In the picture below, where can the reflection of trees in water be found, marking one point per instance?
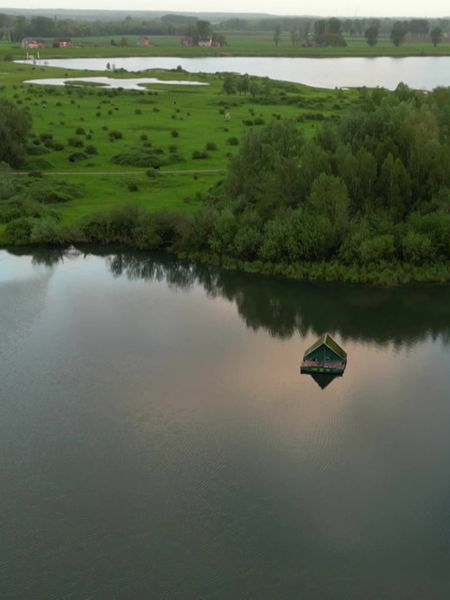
(47, 257)
(402, 316)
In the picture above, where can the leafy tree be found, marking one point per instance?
(329, 196)
(314, 161)
(19, 29)
(295, 36)
(203, 29)
(15, 127)
(277, 35)
(41, 27)
(394, 186)
(265, 172)
(199, 30)
(371, 35)
(418, 27)
(436, 35)
(229, 84)
(398, 33)
(359, 172)
(378, 249)
(243, 84)
(417, 248)
(334, 25)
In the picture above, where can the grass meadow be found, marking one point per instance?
(191, 133)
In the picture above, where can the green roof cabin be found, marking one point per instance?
(324, 356)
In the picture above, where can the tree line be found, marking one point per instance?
(330, 31)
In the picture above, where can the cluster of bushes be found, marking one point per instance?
(26, 208)
(147, 156)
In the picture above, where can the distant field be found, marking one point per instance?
(238, 44)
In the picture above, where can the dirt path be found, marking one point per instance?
(130, 173)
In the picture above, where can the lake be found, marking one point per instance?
(158, 440)
(417, 72)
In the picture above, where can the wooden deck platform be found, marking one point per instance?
(329, 366)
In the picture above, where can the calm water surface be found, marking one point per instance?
(110, 82)
(417, 72)
(158, 441)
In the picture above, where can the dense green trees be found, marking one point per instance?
(436, 35)
(371, 35)
(15, 127)
(398, 33)
(277, 35)
(372, 191)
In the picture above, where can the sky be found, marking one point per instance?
(346, 8)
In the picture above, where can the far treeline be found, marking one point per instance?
(365, 198)
(306, 31)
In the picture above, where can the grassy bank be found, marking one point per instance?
(135, 168)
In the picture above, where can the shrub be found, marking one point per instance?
(174, 133)
(77, 156)
(233, 141)
(211, 146)
(115, 135)
(75, 142)
(80, 131)
(37, 150)
(377, 249)
(38, 164)
(18, 231)
(46, 231)
(417, 248)
(50, 191)
(199, 154)
(140, 157)
(54, 145)
(90, 149)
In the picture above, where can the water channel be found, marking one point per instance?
(423, 73)
(158, 440)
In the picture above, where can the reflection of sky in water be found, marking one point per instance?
(21, 267)
(109, 82)
(151, 417)
(417, 72)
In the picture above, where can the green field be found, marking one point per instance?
(179, 121)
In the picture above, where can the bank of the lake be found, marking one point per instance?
(136, 168)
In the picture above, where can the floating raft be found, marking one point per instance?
(324, 356)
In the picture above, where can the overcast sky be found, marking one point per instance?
(349, 8)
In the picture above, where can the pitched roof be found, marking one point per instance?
(328, 341)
